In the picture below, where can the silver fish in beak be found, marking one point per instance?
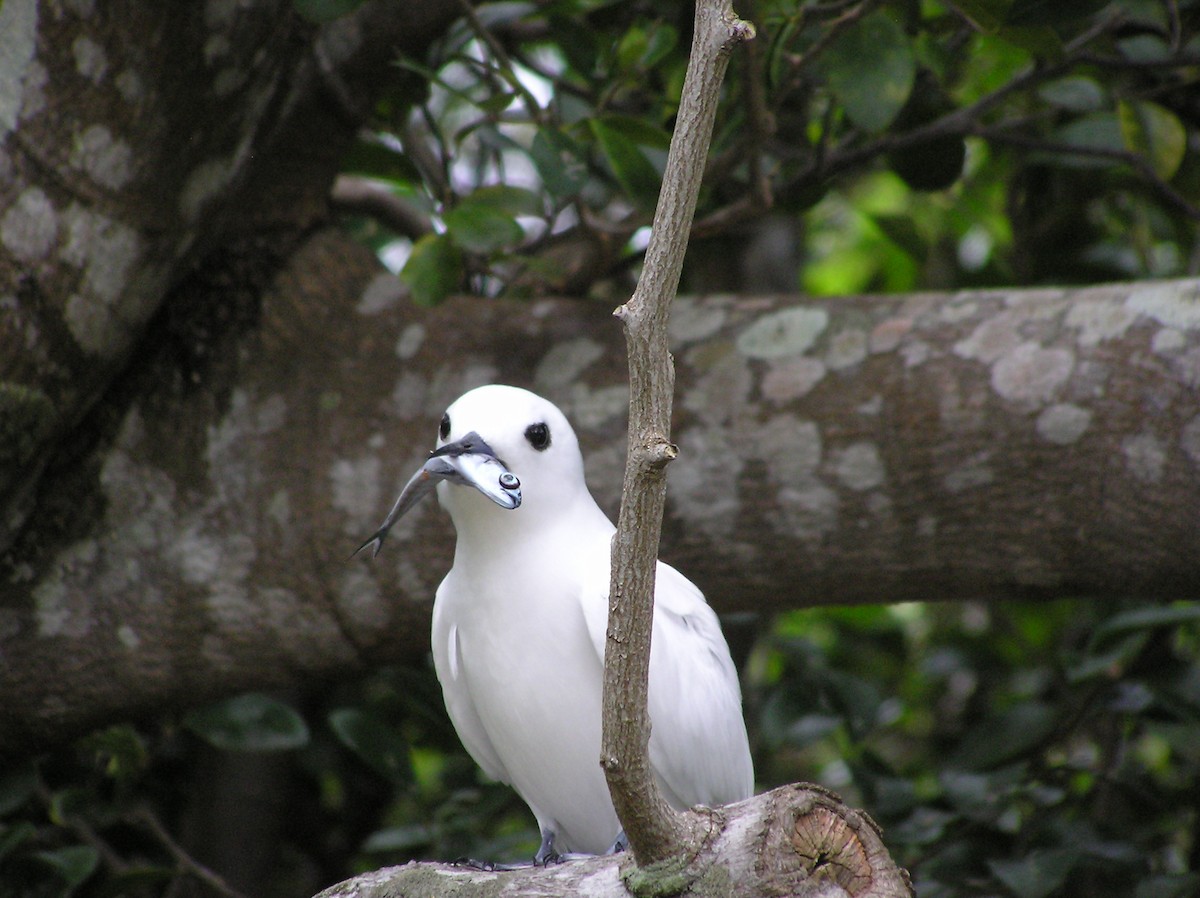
(468, 462)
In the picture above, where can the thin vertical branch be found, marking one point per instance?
(654, 830)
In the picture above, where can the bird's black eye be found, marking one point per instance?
(444, 427)
(538, 436)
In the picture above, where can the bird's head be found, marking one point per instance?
(498, 448)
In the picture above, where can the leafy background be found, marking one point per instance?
(1007, 749)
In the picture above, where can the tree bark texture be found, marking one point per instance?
(137, 142)
(655, 832)
(193, 537)
(795, 840)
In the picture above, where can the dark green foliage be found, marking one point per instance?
(1053, 137)
(1012, 749)
(364, 775)
(1023, 749)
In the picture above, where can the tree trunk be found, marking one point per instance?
(142, 145)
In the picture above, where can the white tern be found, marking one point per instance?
(519, 628)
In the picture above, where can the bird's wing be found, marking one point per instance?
(448, 662)
(698, 744)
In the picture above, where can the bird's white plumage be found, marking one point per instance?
(519, 629)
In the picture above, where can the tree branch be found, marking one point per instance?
(1134, 160)
(655, 832)
(363, 196)
(794, 840)
(900, 417)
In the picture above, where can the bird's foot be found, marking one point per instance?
(546, 854)
(488, 866)
(620, 843)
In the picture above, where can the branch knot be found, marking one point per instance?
(660, 453)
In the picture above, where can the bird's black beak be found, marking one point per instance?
(469, 462)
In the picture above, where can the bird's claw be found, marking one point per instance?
(486, 866)
(620, 843)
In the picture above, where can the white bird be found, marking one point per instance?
(519, 628)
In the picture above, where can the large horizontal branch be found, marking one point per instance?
(794, 840)
(993, 444)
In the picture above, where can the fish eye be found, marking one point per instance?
(444, 427)
(509, 481)
(538, 436)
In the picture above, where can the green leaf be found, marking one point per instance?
(433, 270)
(480, 228)
(1037, 874)
(893, 795)
(1145, 48)
(1007, 735)
(381, 746)
(73, 865)
(400, 838)
(924, 826)
(1076, 93)
(638, 130)
(644, 46)
(1096, 131)
(870, 68)
(967, 791)
(856, 698)
(1107, 663)
(1183, 738)
(559, 162)
(992, 63)
(512, 200)
(631, 47)
(68, 802)
(13, 836)
(1152, 131)
(496, 103)
(663, 38)
(980, 794)
(251, 722)
(375, 159)
(121, 749)
(810, 728)
(1147, 619)
(633, 171)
